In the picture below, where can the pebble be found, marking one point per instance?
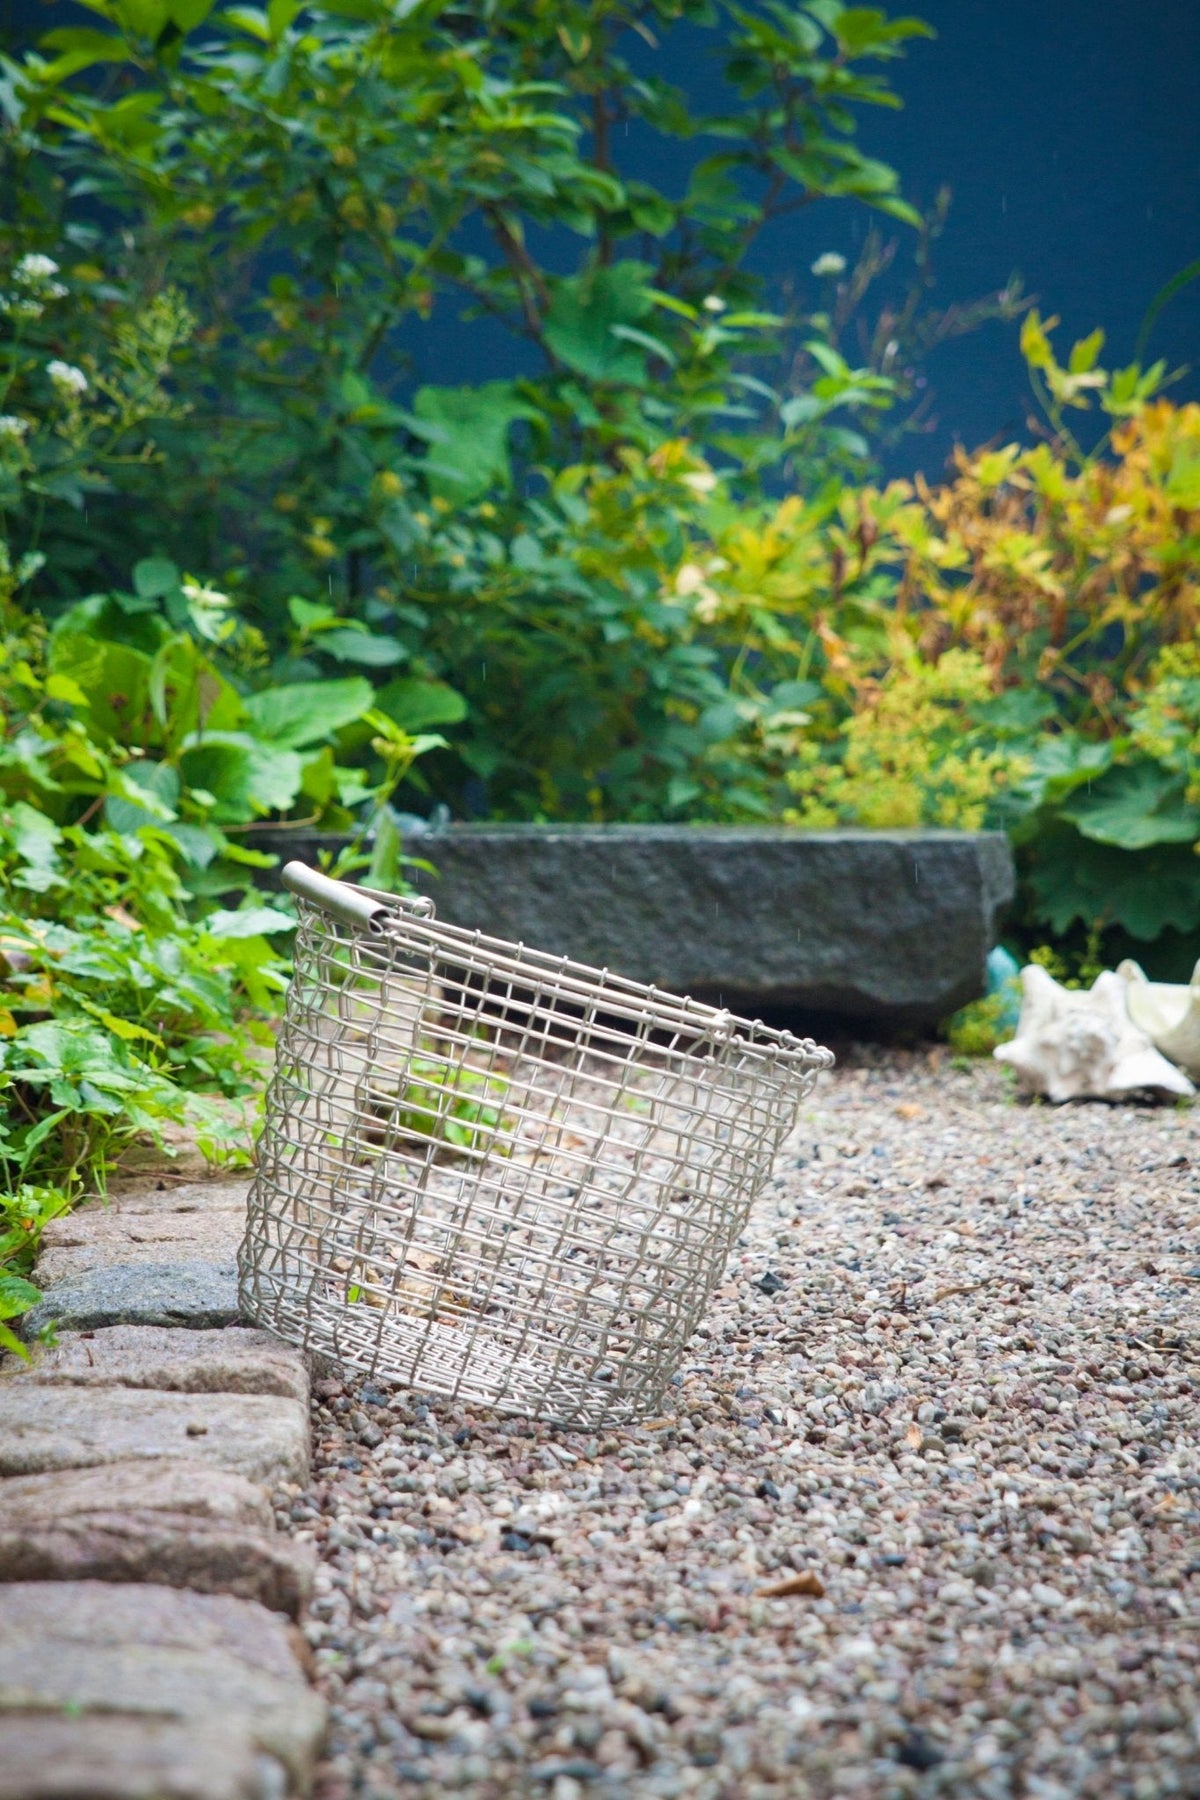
(953, 1371)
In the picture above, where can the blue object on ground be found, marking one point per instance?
(1004, 977)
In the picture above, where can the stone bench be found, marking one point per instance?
(876, 929)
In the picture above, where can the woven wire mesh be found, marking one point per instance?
(499, 1176)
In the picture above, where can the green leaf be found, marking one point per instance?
(250, 19)
(16, 1296)
(11, 1342)
(281, 14)
(159, 782)
(1086, 353)
(583, 312)
(35, 838)
(1062, 763)
(312, 615)
(1146, 892)
(467, 431)
(383, 871)
(250, 921)
(414, 705)
(306, 712)
(154, 578)
(246, 776)
(1134, 807)
(116, 680)
(80, 48)
(187, 14)
(364, 647)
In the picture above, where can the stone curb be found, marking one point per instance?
(147, 1600)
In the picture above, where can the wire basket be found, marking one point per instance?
(496, 1175)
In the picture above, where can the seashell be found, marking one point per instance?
(1168, 1013)
(1082, 1044)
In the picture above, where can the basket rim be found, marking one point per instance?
(398, 917)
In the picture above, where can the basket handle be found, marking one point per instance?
(352, 905)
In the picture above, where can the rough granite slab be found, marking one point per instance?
(261, 1436)
(226, 1665)
(111, 1757)
(168, 1549)
(891, 926)
(202, 1295)
(97, 1238)
(238, 1360)
(197, 1490)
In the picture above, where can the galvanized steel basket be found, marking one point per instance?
(496, 1175)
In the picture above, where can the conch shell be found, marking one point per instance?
(1082, 1044)
(1167, 1012)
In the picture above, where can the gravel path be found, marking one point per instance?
(945, 1406)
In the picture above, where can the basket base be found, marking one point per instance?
(428, 1355)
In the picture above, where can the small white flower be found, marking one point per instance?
(12, 428)
(713, 303)
(209, 609)
(830, 263)
(69, 381)
(701, 481)
(34, 269)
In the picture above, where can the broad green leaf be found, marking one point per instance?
(1062, 763)
(1146, 892)
(312, 615)
(63, 687)
(308, 711)
(116, 680)
(251, 921)
(187, 14)
(415, 704)
(36, 840)
(145, 18)
(1135, 807)
(467, 430)
(366, 648)
(154, 577)
(159, 782)
(16, 1295)
(247, 777)
(583, 312)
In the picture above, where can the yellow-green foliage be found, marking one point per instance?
(912, 753)
(1016, 648)
(975, 1030)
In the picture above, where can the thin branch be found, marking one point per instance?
(530, 282)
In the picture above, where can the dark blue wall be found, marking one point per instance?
(1070, 134)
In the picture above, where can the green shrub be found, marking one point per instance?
(317, 183)
(1017, 648)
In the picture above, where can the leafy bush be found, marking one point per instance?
(1042, 668)
(136, 970)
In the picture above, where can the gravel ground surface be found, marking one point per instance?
(922, 1516)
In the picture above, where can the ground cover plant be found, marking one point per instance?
(137, 966)
(137, 969)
